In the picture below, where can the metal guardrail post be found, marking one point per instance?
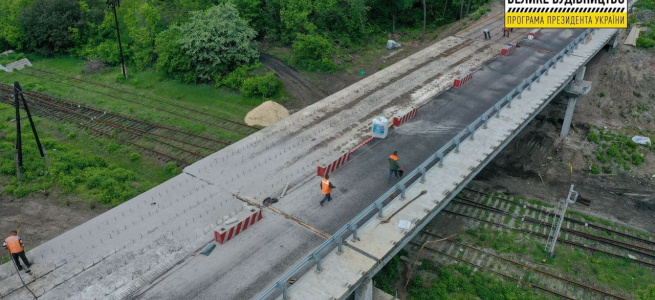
(339, 241)
(283, 287)
(422, 171)
(471, 131)
(509, 100)
(318, 262)
(379, 206)
(497, 109)
(401, 187)
(353, 227)
(485, 120)
(440, 156)
(456, 140)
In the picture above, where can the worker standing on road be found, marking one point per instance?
(15, 246)
(394, 166)
(487, 33)
(326, 189)
(505, 31)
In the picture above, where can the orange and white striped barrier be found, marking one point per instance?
(532, 34)
(508, 49)
(361, 144)
(460, 81)
(397, 121)
(227, 233)
(322, 171)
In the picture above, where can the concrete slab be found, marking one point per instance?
(631, 39)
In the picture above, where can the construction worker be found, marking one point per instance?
(394, 166)
(487, 33)
(505, 31)
(15, 246)
(326, 189)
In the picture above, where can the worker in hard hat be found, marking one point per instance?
(15, 246)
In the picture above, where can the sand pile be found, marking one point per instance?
(266, 114)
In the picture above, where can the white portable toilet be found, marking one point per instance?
(380, 127)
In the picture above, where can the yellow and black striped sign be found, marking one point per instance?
(566, 13)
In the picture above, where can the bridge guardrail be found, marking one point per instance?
(419, 173)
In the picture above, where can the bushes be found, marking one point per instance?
(645, 42)
(264, 86)
(251, 85)
(314, 53)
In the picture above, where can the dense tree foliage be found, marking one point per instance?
(207, 40)
(218, 41)
(48, 25)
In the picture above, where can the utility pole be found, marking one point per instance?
(18, 96)
(557, 222)
(113, 4)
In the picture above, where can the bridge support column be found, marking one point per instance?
(577, 87)
(568, 116)
(365, 290)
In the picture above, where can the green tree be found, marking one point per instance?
(47, 25)
(252, 12)
(10, 31)
(341, 20)
(142, 22)
(314, 53)
(171, 59)
(217, 40)
(294, 19)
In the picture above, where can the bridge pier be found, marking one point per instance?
(365, 290)
(576, 88)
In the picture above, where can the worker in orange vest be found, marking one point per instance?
(15, 246)
(326, 189)
(394, 166)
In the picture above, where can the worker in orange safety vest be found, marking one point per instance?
(326, 189)
(15, 246)
(394, 166)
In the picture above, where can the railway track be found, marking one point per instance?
(164, 142)
(538, 226)
(601, 230)
(524, 274)
(185, 112)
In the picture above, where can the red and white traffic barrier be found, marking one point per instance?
(397, 121)
(334, 165)
(533, 33)
(361, 144)
(508, 49)
(227, 233)
(460, 81)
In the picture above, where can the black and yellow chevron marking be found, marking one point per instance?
(566, 10)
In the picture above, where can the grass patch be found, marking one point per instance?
(459, 282)
(147, 89)
(615, 152)
(80, 164)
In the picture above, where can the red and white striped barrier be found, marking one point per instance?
(459, 82)
(508, 49)
(227, 233)
(408, 116)
(533, 33)
(361, 144)
(334, 165)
